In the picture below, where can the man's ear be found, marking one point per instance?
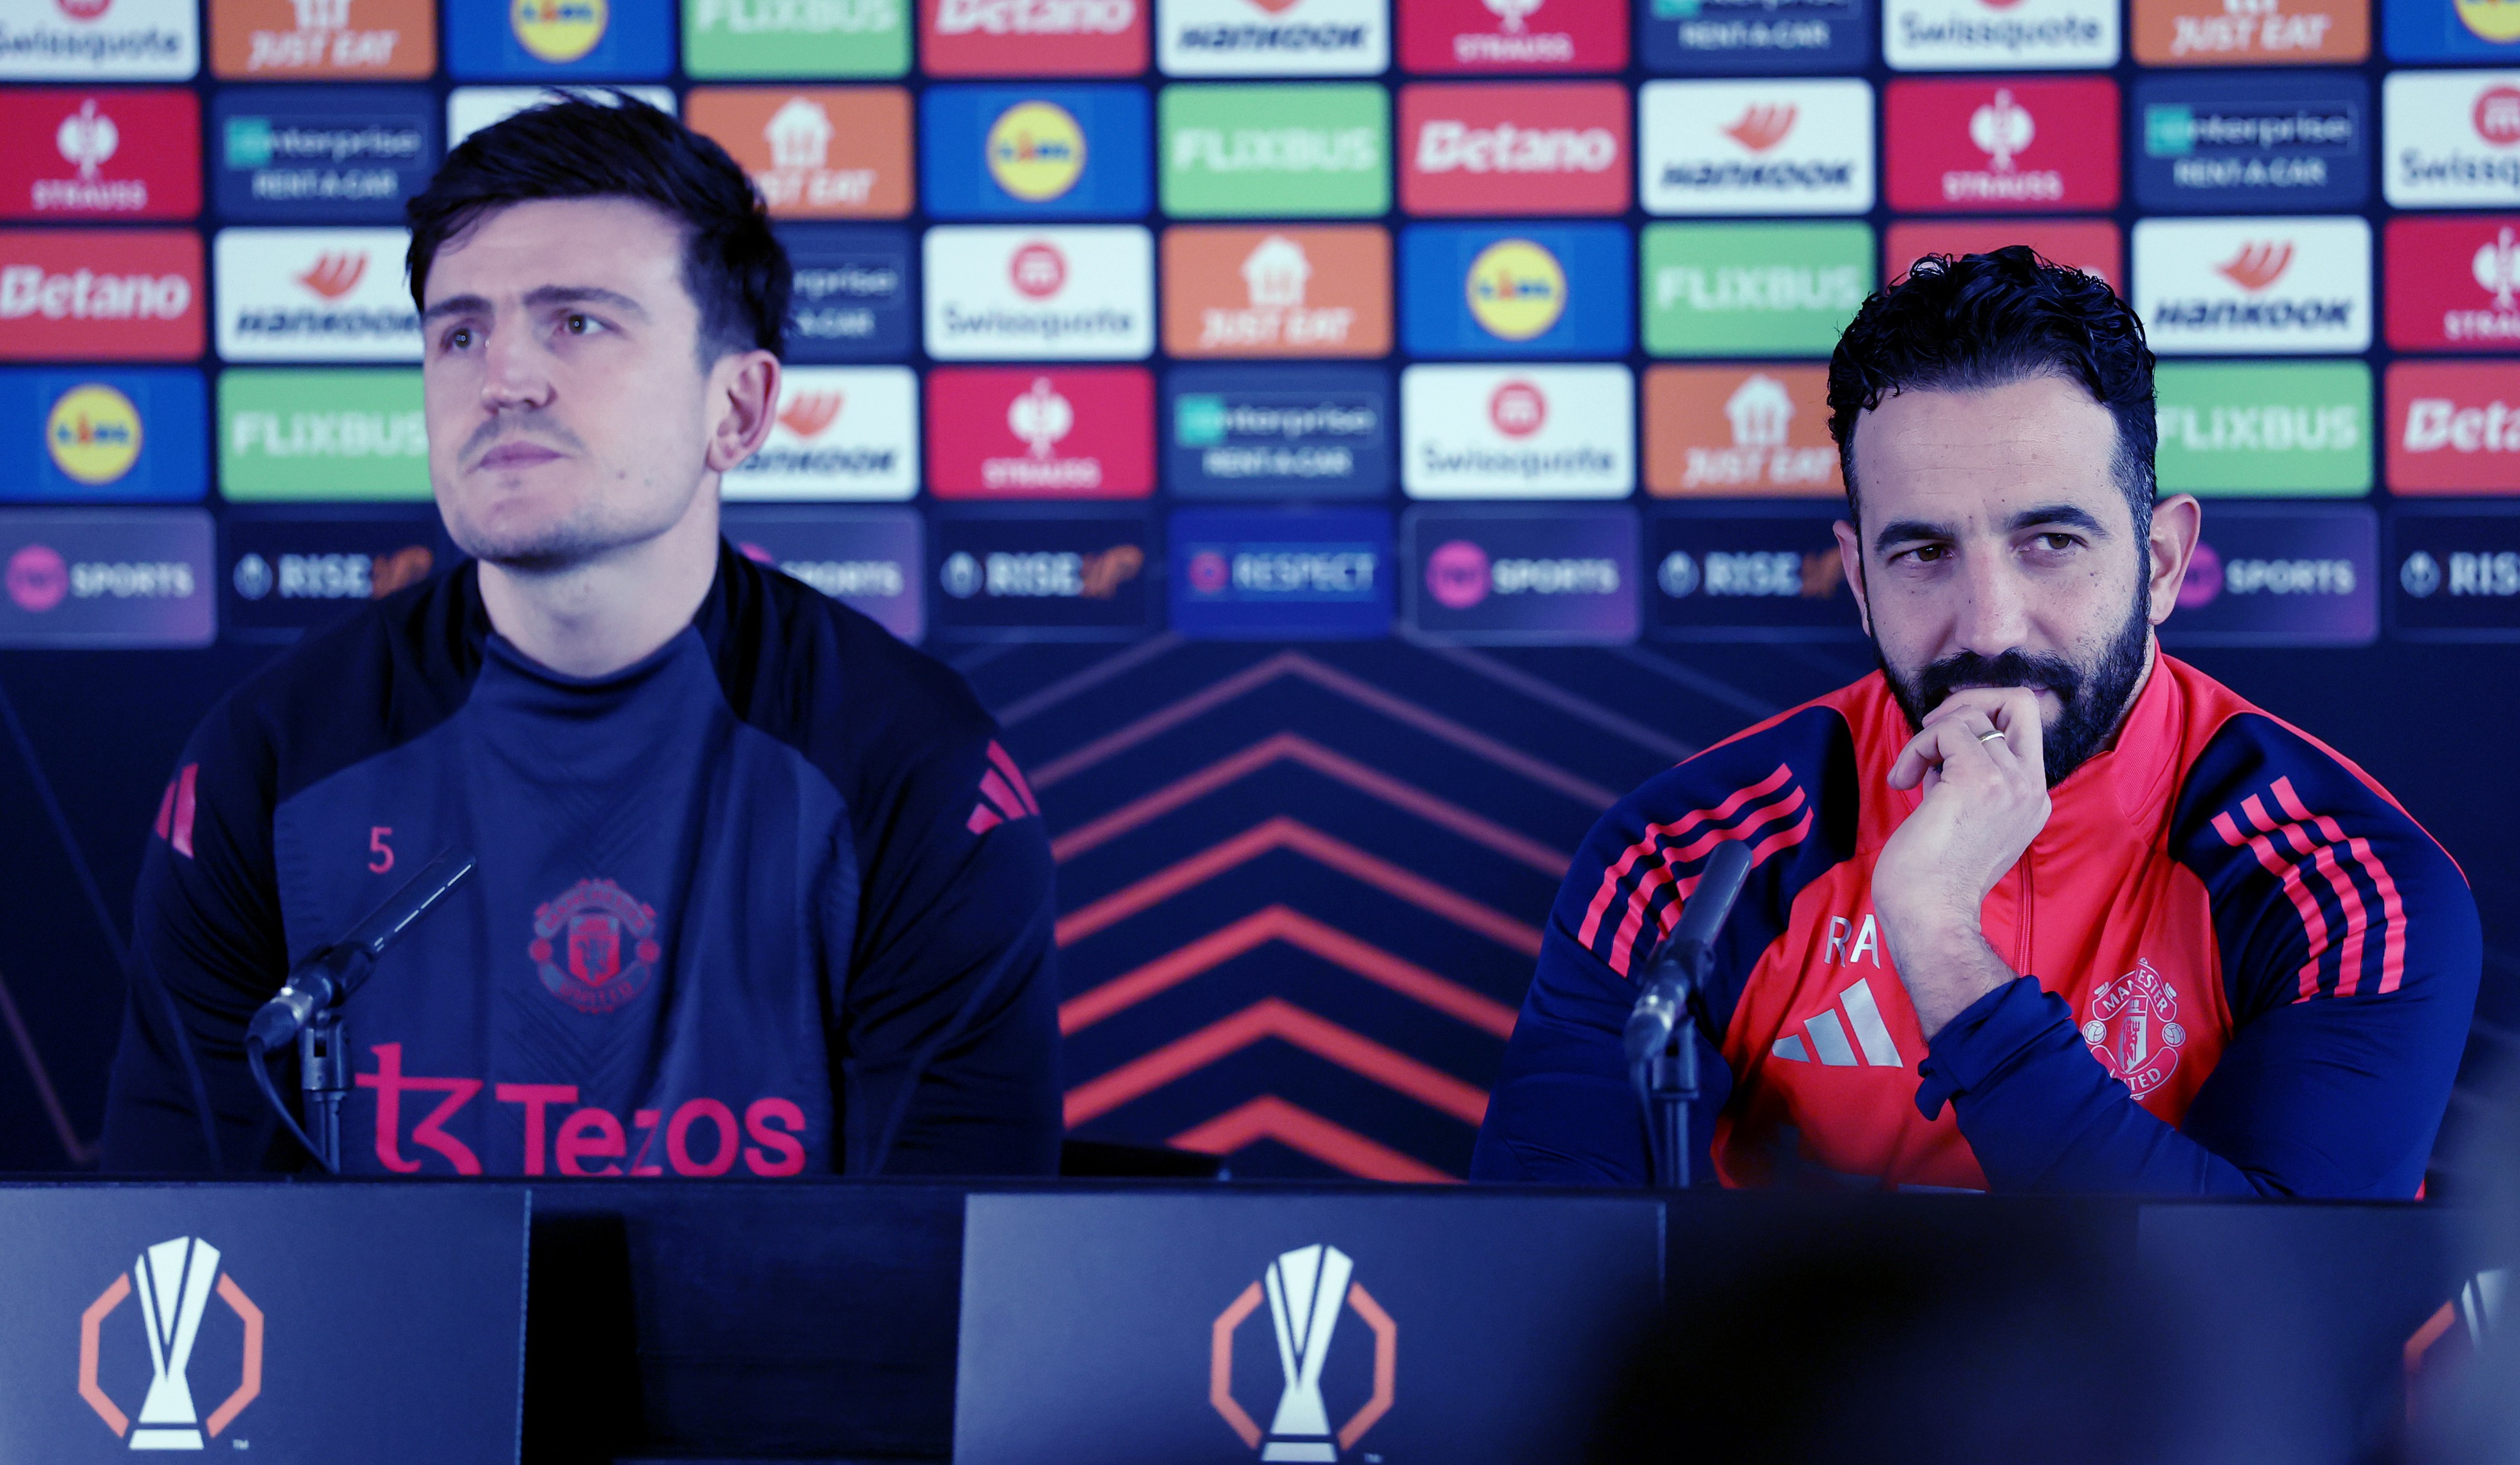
(743, 405)
(2176, 521)
(1850, 555)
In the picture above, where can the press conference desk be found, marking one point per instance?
(821, 1320)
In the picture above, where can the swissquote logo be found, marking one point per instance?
(2132, 1026)
(174, 1281)
(1308, 1291)
(1273, 37)
(1043, 294)
(2223, 286)
(123, 39)
(1756, 147)
(1522, 431)
(1985, 35)
(2450, 139)
(314, 295)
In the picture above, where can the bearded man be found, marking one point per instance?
(2035, 906)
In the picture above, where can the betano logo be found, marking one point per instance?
(559, 31)
(1763, 124)
(173, 1281)
(1036, 17)
(93, 433)
(1036, 151)
(1517, 290)
(1308, 1290)
(2257, 266)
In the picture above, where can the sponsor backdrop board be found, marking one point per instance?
(285, 1323)
(1184, 1327)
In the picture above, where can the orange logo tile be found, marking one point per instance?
(815, 151)
(1721, 431)
(2250, 32)
(295, 40)
(1323, 292)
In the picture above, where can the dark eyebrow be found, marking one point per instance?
(1902, 531)
(545, 296)
(2062, 515)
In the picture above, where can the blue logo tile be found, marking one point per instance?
(1504, 290)
(2249, 144)
(113, 435)
(1259, 574)
(573, 40)
(1717, 37)
(1035, 152)
(320, 154)
(1277, 431)
(856, 292)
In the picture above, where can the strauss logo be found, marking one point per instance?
(2498, 268)
(2256, 265)
(807, 413)
(87, 138)
(2002, 129)
(1512, 13)
(1762, 126)
(334, 274)
(1041, 417)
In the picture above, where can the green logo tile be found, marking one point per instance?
(2289, 429)
(1753, 289)
(322, 435)
(795, 38)
(1275, 150)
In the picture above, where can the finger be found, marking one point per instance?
(1985, 701)
(1934, 747)
(2025, 732)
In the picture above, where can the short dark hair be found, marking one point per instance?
(1979, 321)
(579, 148)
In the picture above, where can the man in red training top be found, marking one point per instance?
(2034, 908)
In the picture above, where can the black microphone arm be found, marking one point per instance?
(1661, 1035)
(328, 977)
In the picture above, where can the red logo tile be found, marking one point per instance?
(2453, 427)
(101, 294)
(79, 154)
(2454, 282)
(1516, 148)
(1041, 433)
(1032, 37)
(1513, 35)
(2001, 143)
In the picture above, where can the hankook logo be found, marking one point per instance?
(173, 1279)
(1307, 1290)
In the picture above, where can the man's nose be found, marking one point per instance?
(1994, 616)
(517, 371)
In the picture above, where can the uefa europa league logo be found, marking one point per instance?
(174, 1281)
(1307, 1289)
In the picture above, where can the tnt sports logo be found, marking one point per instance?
(596, 925)
(1308, 1290)
(1457, 574)
(559, 31)
(38, 578)
(93, 434)
(1517, 290)
(2133, 1028)
(1036, 151)
(173, 1281)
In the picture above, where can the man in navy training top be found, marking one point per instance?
(759, 893)
(2035, 906)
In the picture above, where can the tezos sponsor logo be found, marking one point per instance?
(2450, 139)
(1045, 294)
(2222, 286)
(1537, 431)
(1757, 147)
(1980, 35)
(1272, 37)
(314, 295)
(841, 433)
(2023, 143)
(1514, 149)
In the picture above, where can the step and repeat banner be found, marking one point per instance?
(1502, 321)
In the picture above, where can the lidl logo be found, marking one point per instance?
(2300, 140)
(2298, 429)
(1318, 291)
(1757, 147)
(1968, 147)
(1272, 37)
(1512, 35)
(2453, 427)
(1000, 292)
(1036, 151)
(726, 40)
(94, 295)
(74, 155)
(93, 434)
(1717, 430)
(317, 435)
(258, 40)
(558, 31)
(1490, 574)
(1027, 432)
(2247, 32)
(992, 152)
(2227, 287)
(1315, 432)
(2454, 31)
(840, 433)
(2454, 282)
(1489, 290)
(2450, 139)
(1753, 289)
(1733, 36)
(1320, 151)
(1517, 432)
(2000, 35)
(1033, 37)
(815, 153)
(1509, 148)
(2091, 245)
(127, 41)
(102, 436)
(2295, 574)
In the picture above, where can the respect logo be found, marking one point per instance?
(2018, 144)
(1514, 149)
(74, 154)
(2223, 286)
(820, 153)
(1757, 147)
(1320, 291)
(1320, 151)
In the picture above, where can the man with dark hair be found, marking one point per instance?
(759, 893)
(2035, 906)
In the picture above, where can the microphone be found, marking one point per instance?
(1683, 957)
(328, 976)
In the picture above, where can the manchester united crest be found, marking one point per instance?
(2133, 1028)
(595, 946)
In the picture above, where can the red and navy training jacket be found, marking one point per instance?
(771, 901)
(2246, 971)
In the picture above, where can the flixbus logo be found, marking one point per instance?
(174, 1283)
(1308, 1291)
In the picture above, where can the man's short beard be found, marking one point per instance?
(2095, 697)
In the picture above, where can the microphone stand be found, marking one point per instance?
(324, 1081)
(1661, 1035)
